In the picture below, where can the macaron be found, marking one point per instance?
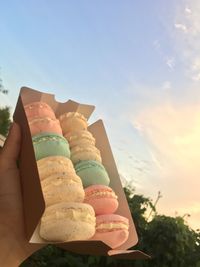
(55, 165)
(72, 121)
(92, 172)
(39, 110)
(86, 152)
(68, 221)
(49, 144)
(102, 198)
(62, 188)
(80, 138)
(112, 229)
(44, 125)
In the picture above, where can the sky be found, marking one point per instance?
(138, 62)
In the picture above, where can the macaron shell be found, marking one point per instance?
(39, 109)
(72, 121)
(44, 125)
(113, 239)
(66, 230)
(112, 229)
(54, 165)
(83, 153)
(49, 144)
(92, 172)
(63, 188)
(67, 221)
(102, 198)
(103, 205)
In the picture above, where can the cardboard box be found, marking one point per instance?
(33, 200)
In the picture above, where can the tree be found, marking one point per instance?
(171, 242)
(4, 120)
(4, 114)
(2, 88)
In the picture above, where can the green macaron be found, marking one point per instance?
(92, 172)
(48, 144)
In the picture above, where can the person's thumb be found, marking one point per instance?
(11, 148)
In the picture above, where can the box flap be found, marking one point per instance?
(29, 95)
(91, 247)
(102, 143)
(128, 254)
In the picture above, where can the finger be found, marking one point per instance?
(11, 148)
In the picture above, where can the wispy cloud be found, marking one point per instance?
(168, 60)
(187, 37)
(188, 10)
(156, 44)
(181, 27)
(172, 133)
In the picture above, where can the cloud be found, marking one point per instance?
(172, 133)
(188, 10)
(180, 26)
(186, 37)
(170, 62)
(156, 44)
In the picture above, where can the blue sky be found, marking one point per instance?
(138, 62)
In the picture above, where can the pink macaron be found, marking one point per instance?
(44, 125)
(102, 198)
(112, 229)
(39, 110)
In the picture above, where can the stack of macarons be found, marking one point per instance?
(82, 143)
(110, 228)
(46, 131)
(66, 217)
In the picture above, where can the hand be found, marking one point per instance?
(14, 247)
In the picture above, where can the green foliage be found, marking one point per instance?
(4, 114)
(4, 120)
(171, 242)
(2, 89)
(138, 205)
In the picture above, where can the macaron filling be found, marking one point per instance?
(48, 137)
(112, 226)
(45, 119)
(78, 149)
(71, 115)
(100, 194)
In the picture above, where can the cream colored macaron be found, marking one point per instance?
(72, 121)
(80, 153)
(80, 138)
(54, 165)
(62, 188)
(67, 222)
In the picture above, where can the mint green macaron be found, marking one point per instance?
(92, 172)
(48, 144)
